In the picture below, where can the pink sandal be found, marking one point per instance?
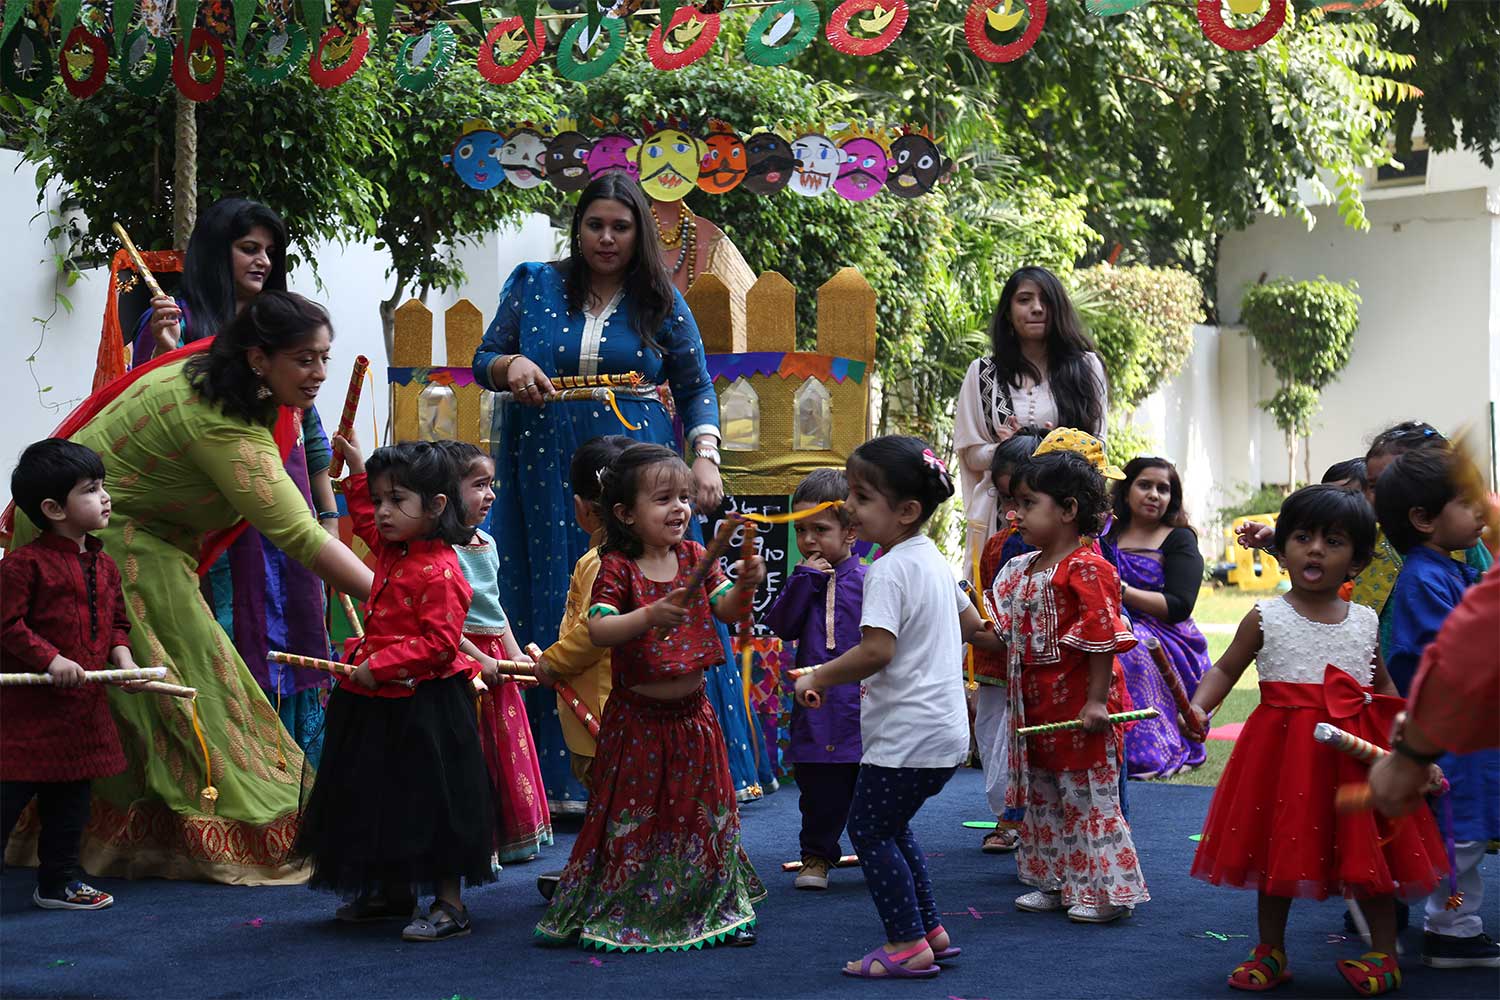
(892, 964)
(947, 954)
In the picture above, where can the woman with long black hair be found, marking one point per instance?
(263, 599)
(1043, 371)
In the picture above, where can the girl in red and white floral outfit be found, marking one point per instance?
(1057, 610)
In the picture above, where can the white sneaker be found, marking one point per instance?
(1040, 902)
(1079, 913)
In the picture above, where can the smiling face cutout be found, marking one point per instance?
(817, 165)
(916, 165)
(724, 163)
(669, 162)
(521, 156)
(769, 163)
(612, 151)
(864, 169)
(564, 161)
(476, 159)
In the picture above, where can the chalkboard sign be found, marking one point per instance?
(773, 542)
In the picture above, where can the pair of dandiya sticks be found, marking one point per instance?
(595, 388)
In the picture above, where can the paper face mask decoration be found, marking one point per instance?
(724, 162)
(916, 165)
(769, 163)
(476, 157)
(865, 166)
(817, 165)
(521, 156)
(564, 161)
(669, 161)
(612, 151)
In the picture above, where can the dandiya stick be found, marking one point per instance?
(316, 663)
(354, 624)
(747, 630)
(847, 861)
(346, 420)
(89, 676)
(1366, 753)
(569, 696)
(1173, 682)
(161, 687)
(716, 548)
(1070, 724)
(136, 259)
(625, 380)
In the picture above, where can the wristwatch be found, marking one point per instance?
(707, 451)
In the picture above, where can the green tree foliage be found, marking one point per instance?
(1142, 320)
(1458, 72)
(1305, 330)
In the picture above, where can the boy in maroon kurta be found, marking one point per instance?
(63, 615)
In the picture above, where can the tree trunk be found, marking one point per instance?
(184, 172)
(1307, 475)
(1291, 462)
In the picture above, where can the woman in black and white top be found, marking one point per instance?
(1043, 372)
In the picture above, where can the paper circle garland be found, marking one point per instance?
(844, 41)
(358, 49)
(595, 67)
(31, 82)
(160, 51)
(980, 43)
(666, 60)
(497, 72)
(443, 45)
(1211, 18)
(183, 75)
(261, 74)
(759, 52)
(87, 86)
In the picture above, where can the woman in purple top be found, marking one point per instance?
(819, 609)
(1161, 571)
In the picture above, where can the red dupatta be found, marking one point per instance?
(288, 427)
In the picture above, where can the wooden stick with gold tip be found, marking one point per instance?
(89, 676)
(136, 259)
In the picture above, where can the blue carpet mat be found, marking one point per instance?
(173, 939)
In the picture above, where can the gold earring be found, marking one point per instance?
(263, 391)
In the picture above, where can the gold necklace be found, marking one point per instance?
(673, 239)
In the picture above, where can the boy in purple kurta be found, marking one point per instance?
(820, 609)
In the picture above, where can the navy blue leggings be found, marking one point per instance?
(885, 800)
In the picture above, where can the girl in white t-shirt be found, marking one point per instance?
(913, 720)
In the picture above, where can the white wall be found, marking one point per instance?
(353, 284)
(1428, 343)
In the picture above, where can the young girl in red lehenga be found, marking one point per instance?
(658, 864)
(522, 820)
(1273, 825)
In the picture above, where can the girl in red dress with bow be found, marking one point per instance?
(1273, 826)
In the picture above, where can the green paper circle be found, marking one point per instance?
(567, 58)
(146, 84)
(438, 58)
(41, 63)
(263, 75)
(809, 20)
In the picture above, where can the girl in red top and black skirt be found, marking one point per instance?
(658, 864)
(401, 804)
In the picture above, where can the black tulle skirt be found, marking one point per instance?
(402, 798)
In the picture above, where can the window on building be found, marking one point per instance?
(437, 413)
(812, 418)
(739, 417)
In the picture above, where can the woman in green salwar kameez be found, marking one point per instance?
(189, 453)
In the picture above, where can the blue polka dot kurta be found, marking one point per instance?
(532, 517)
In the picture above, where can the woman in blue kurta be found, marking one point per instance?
(609, 308)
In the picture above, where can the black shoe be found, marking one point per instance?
(546, 884)
(1444, 951)
(744, 937)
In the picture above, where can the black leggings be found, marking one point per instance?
(63, 809)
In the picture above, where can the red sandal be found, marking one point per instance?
(1265, 969)
(1372, 974)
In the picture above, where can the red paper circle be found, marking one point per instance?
(980, 44)
(182, 74)
(656, 46)
(838, 27)
(1211, 19)
(89, 85)
(327, 78)
(496, 72)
